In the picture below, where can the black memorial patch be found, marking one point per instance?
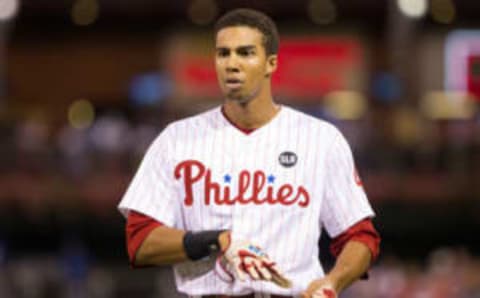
(287, 159)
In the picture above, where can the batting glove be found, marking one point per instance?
(243, 259)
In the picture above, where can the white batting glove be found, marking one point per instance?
(243, 259)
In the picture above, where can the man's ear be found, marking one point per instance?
(272, 63)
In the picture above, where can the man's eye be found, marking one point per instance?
(247, 53)
(222, 53)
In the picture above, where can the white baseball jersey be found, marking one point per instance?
(277, 187)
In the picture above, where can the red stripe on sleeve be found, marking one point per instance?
(137, 229)
(364, 232)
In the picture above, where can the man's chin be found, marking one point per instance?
(238, 98)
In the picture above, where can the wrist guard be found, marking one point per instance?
(198, 245)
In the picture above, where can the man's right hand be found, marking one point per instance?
(242, 259)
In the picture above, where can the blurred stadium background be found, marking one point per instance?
(85, 85)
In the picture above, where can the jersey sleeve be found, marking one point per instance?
(345, 202)
(138, 227)
(151, 192)
(363, 232)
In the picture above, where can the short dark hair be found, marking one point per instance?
(254, 19)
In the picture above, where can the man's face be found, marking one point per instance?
(242, 66)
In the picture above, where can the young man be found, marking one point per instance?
(236, 197)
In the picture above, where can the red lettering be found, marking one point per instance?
(226, 196)
(358, 181)
(306, 196)
(243, 184)
(209, 187)
(192, 171)
(284, 193)
(258, 184)
(269, 198)
(188, 178)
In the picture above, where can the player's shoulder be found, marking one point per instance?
(300, 118)
(193, 127)
(187, 128)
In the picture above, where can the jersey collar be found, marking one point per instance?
(248, 131)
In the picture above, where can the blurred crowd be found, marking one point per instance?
(447, 272)
(46, 168)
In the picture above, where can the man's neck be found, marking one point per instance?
(251, 115)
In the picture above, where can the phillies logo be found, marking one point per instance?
(193, 171)
(358, 181)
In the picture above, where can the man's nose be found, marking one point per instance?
(232, 63)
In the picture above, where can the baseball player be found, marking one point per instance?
(236, 197)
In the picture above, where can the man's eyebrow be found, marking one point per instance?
(240, 48)
(247, 47)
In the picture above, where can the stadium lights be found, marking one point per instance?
(8, 9)
(413, 8)
(85, 12)
(443, 11)
(81, 114)
(202, 12)
(322, 12)
(345, 104)
(448, 105)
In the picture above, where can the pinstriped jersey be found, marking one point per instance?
(277, 187)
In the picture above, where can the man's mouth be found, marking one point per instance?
(233, 83)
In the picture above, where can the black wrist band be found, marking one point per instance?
(198, 245)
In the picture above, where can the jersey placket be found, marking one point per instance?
(244, 161)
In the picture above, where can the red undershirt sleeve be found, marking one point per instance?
(363, 232)
(137, 229)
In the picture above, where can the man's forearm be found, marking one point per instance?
(351, 264)
(164, 246)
